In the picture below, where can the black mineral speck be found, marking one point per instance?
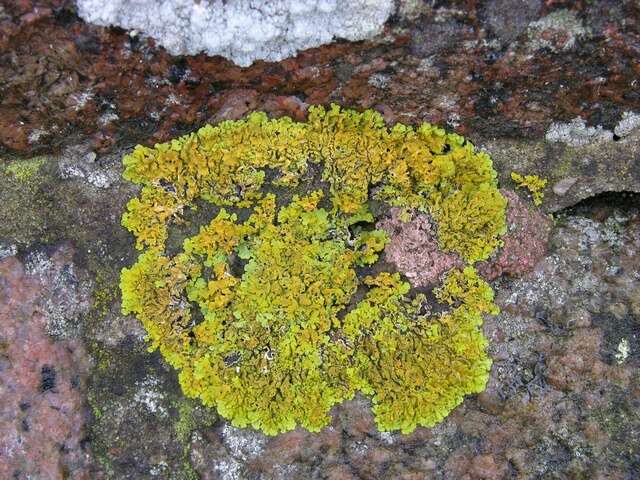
(47, 378)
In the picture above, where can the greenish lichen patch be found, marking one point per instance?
(275, 315)
(533, 183)
(24, 170)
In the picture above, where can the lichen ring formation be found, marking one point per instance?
(281, 306)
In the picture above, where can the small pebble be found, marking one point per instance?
(563, 186)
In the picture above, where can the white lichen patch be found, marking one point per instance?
(623, 351)
(77, 163)
(242, 443)
(96, 178)
(79, 100)
(172, 100)
(159, 469)
(379, 80)
(557, 31)
(69, 297)
(630, 121)
(107, 118)
(285, 472)
(577, 134)
(228, 469)
(64, 311)
(38, 263)
(612, 229)
(412, 9)
(36, 134)
(242, 30)
(387, 437)
(149, 395)
(453, 120)
(359, 449)
(7, 250)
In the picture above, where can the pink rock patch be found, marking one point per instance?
(413, 248)
(41, 409)
(525, 243)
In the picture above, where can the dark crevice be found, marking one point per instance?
(602, 205)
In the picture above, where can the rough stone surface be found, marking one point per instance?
(413, 248)
(561, 187)
(562, 401)
(525, 242)
(65, 77)
(603, 166)
(508, 28)
(242, 30)
(42, 381)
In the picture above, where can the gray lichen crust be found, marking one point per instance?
(242, 30)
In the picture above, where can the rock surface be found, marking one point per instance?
(413, 248)
(525, 242)
(42, 381)
(550, 89)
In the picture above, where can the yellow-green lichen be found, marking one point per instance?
(533, 183)
(24, 170)
(259, 311)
